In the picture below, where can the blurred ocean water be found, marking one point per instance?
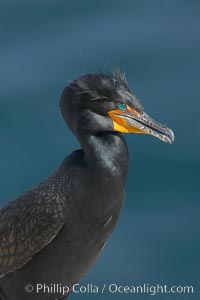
(43, 45)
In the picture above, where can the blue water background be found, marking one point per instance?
(43, 44)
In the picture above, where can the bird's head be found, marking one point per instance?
(96, 103)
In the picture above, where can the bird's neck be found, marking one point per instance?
(107, 155)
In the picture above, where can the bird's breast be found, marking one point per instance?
(96, 204)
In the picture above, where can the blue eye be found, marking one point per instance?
(121, 106)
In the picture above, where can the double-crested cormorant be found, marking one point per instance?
(53, 233)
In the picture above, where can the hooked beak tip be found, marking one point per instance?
(171, 136)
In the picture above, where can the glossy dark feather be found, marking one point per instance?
(30, 222)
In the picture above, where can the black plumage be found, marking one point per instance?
(53, 233)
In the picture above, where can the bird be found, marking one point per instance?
(51, 235)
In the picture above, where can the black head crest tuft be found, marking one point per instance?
(102, 85)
